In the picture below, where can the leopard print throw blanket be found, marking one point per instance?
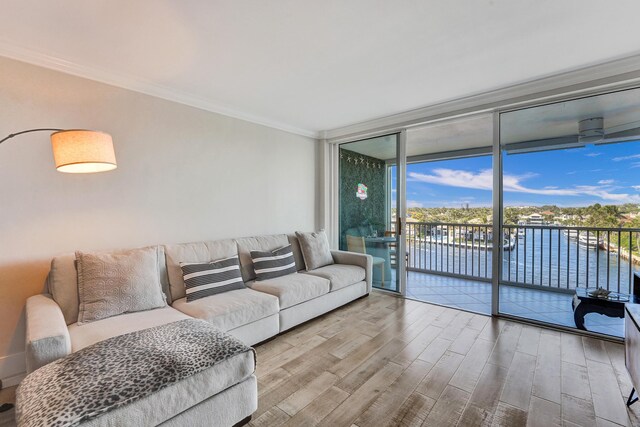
(120, 370)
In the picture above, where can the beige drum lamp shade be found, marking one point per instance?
(83, 151)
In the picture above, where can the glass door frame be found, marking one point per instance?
(401, 210)
(497, 248)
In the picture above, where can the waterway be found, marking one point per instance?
(545, 258)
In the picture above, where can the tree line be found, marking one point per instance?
(596, 215)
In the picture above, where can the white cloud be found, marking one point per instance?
(606, 181)
(636, 187)
(414, 204)
(593, 154)
(619, 159)
(483, 180)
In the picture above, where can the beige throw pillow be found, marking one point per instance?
(118, 282)
(315, 249)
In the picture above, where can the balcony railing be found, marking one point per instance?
(553, 257)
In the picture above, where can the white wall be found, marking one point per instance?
(183, 175)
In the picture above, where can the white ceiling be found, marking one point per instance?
(560, 119)
(449, 135)
(381, 147)
(308, 66)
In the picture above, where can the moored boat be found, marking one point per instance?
(590, 241)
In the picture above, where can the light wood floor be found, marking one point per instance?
(388, 361)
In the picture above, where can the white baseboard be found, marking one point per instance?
(13, 369)
(14, 380)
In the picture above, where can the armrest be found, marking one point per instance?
(354, 258)
(47, 333)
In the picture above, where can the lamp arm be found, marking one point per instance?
(11, 135)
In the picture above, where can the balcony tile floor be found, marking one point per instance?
(472, 295)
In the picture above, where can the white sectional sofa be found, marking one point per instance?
(227, 393)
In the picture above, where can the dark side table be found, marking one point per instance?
(583, 303)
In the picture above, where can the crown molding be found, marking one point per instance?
(572, 81)
(607, 74)
(13, 51)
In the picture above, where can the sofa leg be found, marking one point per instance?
(243, 422)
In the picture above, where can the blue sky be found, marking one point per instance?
(605, 174)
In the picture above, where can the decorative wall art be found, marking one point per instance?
(362, 192)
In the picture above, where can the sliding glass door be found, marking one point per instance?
(370, 206)
(531, 212)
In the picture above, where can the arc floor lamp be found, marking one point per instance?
(75, 151)
(78, 150)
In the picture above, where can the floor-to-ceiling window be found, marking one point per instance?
(571, 209)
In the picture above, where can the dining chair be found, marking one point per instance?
(356, 244)
(393, 250)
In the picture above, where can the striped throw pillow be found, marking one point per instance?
(279, 262)
(205, 279)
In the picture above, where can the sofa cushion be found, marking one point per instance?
(293, 288)
(297, 252)
(90, 333)
(113, 283)
(193, 252)
(315, 249)
(257, 243)
(211, 278)
(232, 309)
(340, 275)
(62, 283)
(271, 264)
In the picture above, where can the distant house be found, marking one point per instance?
(535, 219)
